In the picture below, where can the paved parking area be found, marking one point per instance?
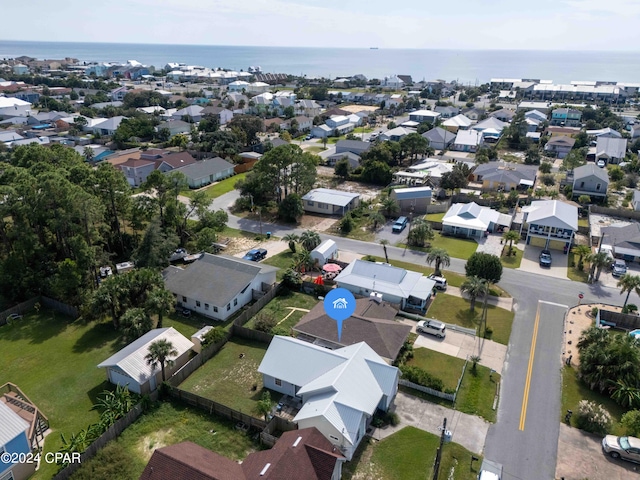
(558, 265)
(385, 233)
(580, 456)
(608, 280)
(490, 244)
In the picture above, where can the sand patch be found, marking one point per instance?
(148, 444)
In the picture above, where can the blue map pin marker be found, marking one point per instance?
(339, 304)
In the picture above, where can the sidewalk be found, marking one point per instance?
(467, 430)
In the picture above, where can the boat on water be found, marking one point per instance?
(373, 48)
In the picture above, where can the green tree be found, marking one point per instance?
(384, 244)
(160, 301)
(250, 125)
(582, 251)
(342, 168)
(160, 353)
(440, 257)
(419, 232)
(574, 159)
(291, 239)
(474, 287)
(414, 145)
(310, 240)
(376, 173)
(598, 261)
(584, 199)
(616, 174)
(624, 394)
(631, 422)
(485, 266)
(265, 404)
(511, 236)
(390, 207)
(532, 157)
(629, 283)
(346, 224)
(155, 248)
(545, 167)
(291, 208)
(376, 218)
(135, 322)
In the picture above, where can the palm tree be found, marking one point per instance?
(628, 283)
(384, 244)
(440, 257)
(302, 260)
(160, 302)
(376, 218)
(598, 261)
(310, 240)
(625, 394)
(419, 233)
(291, 238)
(160, 352)
(474, 287)
(390, 207)
(511, 236)
(582, 251)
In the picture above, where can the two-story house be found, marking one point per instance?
(550, 224)
(136, 170)
(566, 117)
(559, 146)
(589, 180)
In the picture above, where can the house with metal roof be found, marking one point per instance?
(467, 141)
(550, 224)
(439, 138)
(413, 199)
(410, 290)
(109, 126)
(206, 171)
(340, 390)
(604, 132)
(611, 149)
(395, 134)
(459, 122)
(217, 286)
(589, 180)
(331, 202)
(470, 220)
(420, 116)
(353, 146)
(129, 367)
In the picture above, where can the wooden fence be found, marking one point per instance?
(197, 361)
(248, 314)
(630, 214)
(436, 393)
(26, 306)
(19, 309)
(60, 307)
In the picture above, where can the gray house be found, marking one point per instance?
(439, 138)
(207, 171)
(353, 146)
(137, 170)
(352, 158)
(217, 286)
(589, 180)
(331, 202)
(414, 199)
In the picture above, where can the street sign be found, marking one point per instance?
(580, 296)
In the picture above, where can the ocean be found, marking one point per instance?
(466, 66)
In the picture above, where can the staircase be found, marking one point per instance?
(25, 408)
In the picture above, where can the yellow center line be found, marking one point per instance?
(527, 385)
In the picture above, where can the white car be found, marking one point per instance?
(432, 327)
(627, 448)
(601, 163)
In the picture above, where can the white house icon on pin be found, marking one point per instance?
(340, 304)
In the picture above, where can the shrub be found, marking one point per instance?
(346, 224)
(264, 322)
(291, 279)
(594, 312)
(488, 332)
(631, 421)
(420, 377)
(369, 258)
(593, 417)
(213, 336)
(548, 180)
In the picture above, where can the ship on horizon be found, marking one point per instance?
(373, 48)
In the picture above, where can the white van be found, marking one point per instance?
(432, 327)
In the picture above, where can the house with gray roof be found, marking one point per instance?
(109, 126)
(636, 200)
(503, 114)
(206, 171)
(410, 290)
(339, 390)
(353, 146)
(610, 149)
(439, 138)
(589, 180)
(413, 199)
(352, 158)
(192, 112)
(331, 202)
(550, 224)
(130, 368)
(559, 146)
(217, 286)
(623, 241)
(447, 111)
(504, 176)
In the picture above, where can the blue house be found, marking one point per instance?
(22, 431)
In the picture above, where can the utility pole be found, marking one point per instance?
(436, 466)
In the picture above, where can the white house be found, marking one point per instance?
(321, 131)
(611, 149)
(551, 223)
(392, 81)
(459, 122)
(471, 220)
(109, 126)
(411, 290)
(130, 368)
(340, 390)
(238, 86)
(258, 87)
(424, 116)
(327, 250)
(14, 107)
(467, 141)
(325, 200)
(217, 286)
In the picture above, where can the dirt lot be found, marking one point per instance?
(326, 179)
(358, 108)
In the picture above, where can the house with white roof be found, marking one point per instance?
(467, 141)
(550, 224)
(258, 87)
(394, 135)
(424, 116)
(410, 290)
(490, 124)
(536, 115)
(238, 86)
(340, 390)
(109, 126)
(604, 132)
(470, 220)
(611, 149)
(459, 122)
(193, 113)
(14, 107)
(331, 202)
(129, 367)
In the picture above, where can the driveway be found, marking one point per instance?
(608, 280)
(385, 233)
(530, 263)
(580, 456)
(490, 244)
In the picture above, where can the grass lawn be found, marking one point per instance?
(187, 326)
(279, 308)
(574, 390)
(435, 217)
(450, 309)
(228, 379)
(512, 261)
(53, 359)
(315, 149)
(409, 454)
(165, 424)
(476, 390)
(456, 247)
(573, 273)
(583, 222)
(220, 188)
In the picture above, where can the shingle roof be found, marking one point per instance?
(439, 135)
(204, 168)
(214, 279)
(627, 236)
(588, 170)
(131, 359)
(136, 163)
(562, 140)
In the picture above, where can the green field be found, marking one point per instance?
(435, 217)
(572, 271)
(445, 367)
(228, 379)
(282, 260)
(165, 424)
(409, 454)
(512, 261)
(279, 307)
(455, 247)
(450, 309)
(218, 189)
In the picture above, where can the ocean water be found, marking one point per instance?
(467, 66)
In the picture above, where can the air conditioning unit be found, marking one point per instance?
(376, 297)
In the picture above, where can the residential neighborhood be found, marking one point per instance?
(171, 236)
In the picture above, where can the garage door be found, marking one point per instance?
(120, 379)
(538, 241)
(557, 244)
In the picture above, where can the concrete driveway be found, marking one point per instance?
(580, 456)
(393, 238)
(530, 263)
(608, 280)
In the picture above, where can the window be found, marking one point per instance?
(278, 382)
(235, 302)
(215, 309)
(184, 299)
(197, 303)
(206, 306)
(310, 203)
(598, 187)
(581, 184)
(334, 438)
(228, 307)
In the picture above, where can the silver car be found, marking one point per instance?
(627, 448)
(432, 327)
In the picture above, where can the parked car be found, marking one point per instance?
(601, 163)
(308, 137)
(432, 327)
(255, 255)
(545, 258)
(178, 254)
(400, 224)
(627, 448)
(618, 268)
(441, 282)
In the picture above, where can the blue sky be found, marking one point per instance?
(460, 24)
